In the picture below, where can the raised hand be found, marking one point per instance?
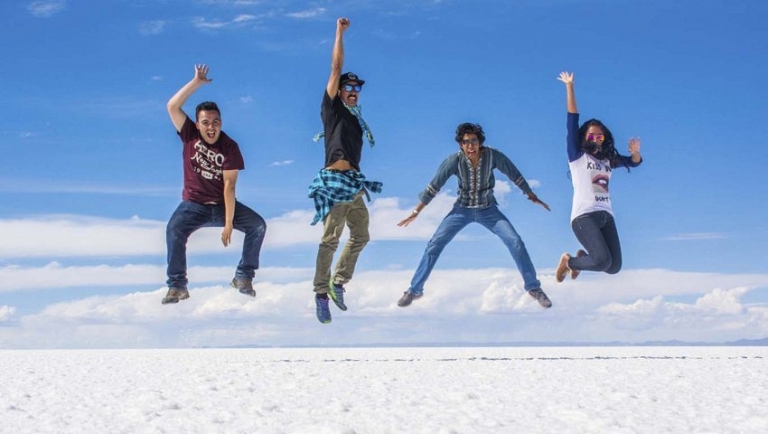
(201, 73)
(342, 24)
(634, 145)
(566, 77)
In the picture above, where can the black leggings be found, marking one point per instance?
(596, 231)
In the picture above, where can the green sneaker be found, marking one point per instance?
(336, 292)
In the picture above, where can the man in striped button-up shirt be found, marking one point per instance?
(474, 165)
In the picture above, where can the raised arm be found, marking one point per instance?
(177, 101)
(567, 78)
(337, 58)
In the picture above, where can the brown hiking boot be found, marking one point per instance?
(175, 294)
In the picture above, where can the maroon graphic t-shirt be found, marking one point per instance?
(204, 164)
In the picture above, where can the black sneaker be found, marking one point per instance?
(542, 298)
(244, 285)
(322, 310)
(175, 294)
(408, 298)
(336, 292)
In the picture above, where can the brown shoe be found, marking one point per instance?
(575, 273)
(562, 267)
(175, 294)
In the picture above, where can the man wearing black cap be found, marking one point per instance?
(339, 188)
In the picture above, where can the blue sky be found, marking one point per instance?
(94, 167)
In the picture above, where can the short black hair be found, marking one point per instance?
(470, 128)
(207, 106)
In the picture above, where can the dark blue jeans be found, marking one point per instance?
(596, 231)
(191, 216)
(493, 220)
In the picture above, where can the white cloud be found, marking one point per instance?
(309, 13)
(54, 275)
(84, 236)
(243, 18)
(282, 163)
(722, 302)
(215, 24)
(45, 9)
(152, 27)
(7, 313)
(246, 99)
(474, 305)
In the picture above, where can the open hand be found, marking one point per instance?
(566, 77)
(406, 221)
(201, 73)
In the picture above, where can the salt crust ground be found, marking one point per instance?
(387, 390)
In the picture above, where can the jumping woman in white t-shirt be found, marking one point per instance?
(591, 158)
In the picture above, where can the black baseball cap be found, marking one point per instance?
(350, 76)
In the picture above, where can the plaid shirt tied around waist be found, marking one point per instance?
(332, 186)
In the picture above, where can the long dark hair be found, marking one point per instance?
(607, 151)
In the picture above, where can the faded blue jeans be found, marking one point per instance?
(455, 221)
(597, 232)
(191, 216)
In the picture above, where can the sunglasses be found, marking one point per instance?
(351, 87)
(595, 137)
(474, 141)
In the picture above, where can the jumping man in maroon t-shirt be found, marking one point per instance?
(211, 164)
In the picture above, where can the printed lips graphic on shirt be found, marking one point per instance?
(600, 184)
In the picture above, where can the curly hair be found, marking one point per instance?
(470, 128)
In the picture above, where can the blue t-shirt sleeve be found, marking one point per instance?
(573, 145)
